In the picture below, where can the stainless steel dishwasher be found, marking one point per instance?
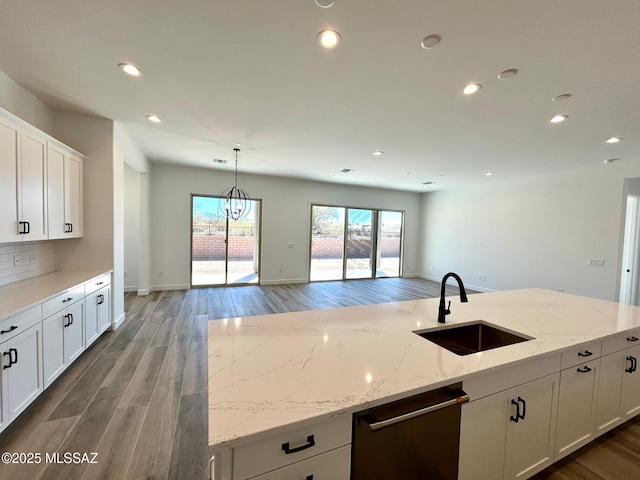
(413, 438)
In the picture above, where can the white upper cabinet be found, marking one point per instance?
(9, 155)
(64, 193)
(32, 187)
(40, 184)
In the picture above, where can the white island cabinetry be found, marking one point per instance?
(619, 386)
(509, 434)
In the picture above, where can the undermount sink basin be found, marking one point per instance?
(471, 337)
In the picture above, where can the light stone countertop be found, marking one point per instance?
(19, 296)
(269, 372)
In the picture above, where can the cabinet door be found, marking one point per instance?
(483, 434)
(32, 199)
(23, 377)
(610, 391)
(73, 195)
(530, 439)
(576, 410)
(630, 403)
(104, 309)
(55, 192)
(91, 317)
(74, 332)
(53, 347)
(9, 157)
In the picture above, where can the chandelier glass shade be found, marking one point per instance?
(237, 203)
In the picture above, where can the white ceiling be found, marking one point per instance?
(221, 72)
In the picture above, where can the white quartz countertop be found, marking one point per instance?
(269, 372)
(19, 296)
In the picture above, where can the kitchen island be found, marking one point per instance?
(272, 374)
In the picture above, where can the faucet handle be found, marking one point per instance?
(448, 309)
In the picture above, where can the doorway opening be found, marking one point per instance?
(349, 243)
(224, 251)
(630, 250)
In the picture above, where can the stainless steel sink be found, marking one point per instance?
(472, 337)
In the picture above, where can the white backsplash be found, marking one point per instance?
(36, 258)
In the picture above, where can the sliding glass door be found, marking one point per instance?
(350, 243)
(223, 251)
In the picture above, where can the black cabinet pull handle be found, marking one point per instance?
(99, 283)
(4, 367)
(71, 319)
(584, 369)
(71, 228)
(524, 407)
(11, 329)
(310, 443)
(22, 228)
(517, 417)
(68, 299)
(65, 323)
(100, 299)
(586, 353)
(28, 227)
(14, 350)
(632, 339)
(634, 364)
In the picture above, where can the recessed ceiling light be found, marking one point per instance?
(377, 153)
(329, 39)
(489, 174)
(471, 88)
(153, 118)
(430, 41)
(325, 3)
(561, 98)
(613, 140)
(507, 73)
(558, 118)
(331, 174)
(129, 69)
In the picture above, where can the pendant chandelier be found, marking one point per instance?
(236, 204)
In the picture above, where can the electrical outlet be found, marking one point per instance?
(17, 260)
(595, 262)
(32, 258)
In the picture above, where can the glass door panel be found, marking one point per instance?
(242, 255)
(359, 246)
(327, 243)
(388, 245)
(223, 251)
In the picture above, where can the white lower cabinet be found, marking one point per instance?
(63, 340)
(509, 434)
(619, 389)
(97, 314)
(21, 376)
(333, 465)
(576, 407)
(318, 451)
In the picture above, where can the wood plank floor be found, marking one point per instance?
(138, 396)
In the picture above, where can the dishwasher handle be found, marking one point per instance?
(374, 426)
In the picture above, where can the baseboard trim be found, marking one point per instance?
(477, 288)
(143, 292)
(283, 281)
(177, 286)
(116, 323)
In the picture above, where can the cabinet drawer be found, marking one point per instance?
(333, 465)
(581, 354)
(269, 454)
(63, 300)
(621, 341)
(97, 283)
(12, 326)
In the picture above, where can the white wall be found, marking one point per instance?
(285, 219)
(533, 232)
(23, 104)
